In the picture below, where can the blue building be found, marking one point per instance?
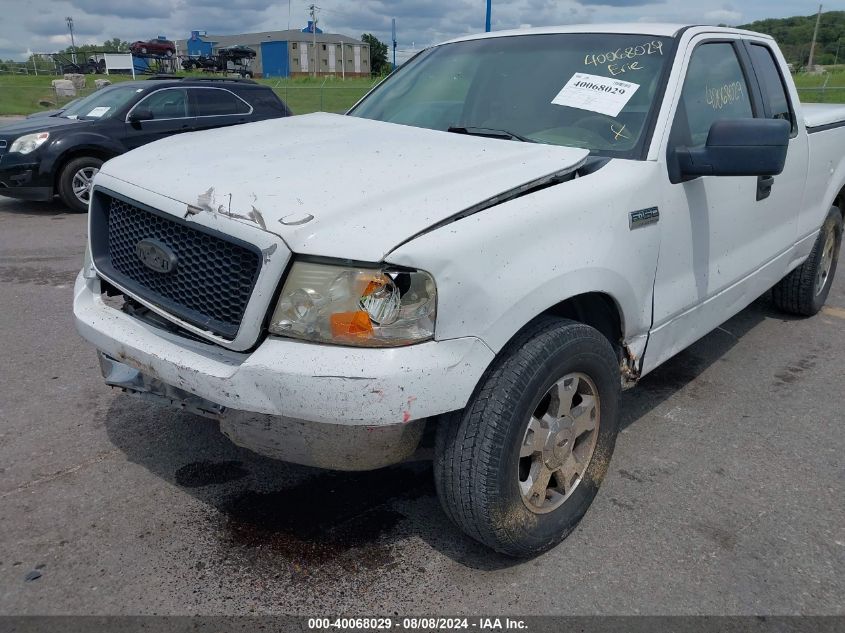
(290, 53)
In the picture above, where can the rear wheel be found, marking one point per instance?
(75, 181)
(518, 468)
(804, 290)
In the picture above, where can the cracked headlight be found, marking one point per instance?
(367, 307)
(29, 143)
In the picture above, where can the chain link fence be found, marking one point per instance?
(301, 98)
(334, 96)
(823, 94)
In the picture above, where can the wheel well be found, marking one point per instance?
(78, 153)
(839, 201)
(597, 310)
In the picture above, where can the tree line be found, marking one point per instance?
(794, 36)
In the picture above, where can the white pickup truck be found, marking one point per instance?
(485, 250)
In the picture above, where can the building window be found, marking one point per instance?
(325, 62)
(294, 46)
(324, 47)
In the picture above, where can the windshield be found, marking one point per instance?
(588, 90)
(101, 104)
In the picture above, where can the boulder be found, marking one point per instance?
(101, 83)
(77, 79)
(64, 88)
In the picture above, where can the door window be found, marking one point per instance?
(771, 83)
(715, 88)
(171, 103)
(217, 102)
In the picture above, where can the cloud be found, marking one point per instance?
(622, 3)
(147, 9)
(723, 16)
(39, 24)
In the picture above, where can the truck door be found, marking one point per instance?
(725, 240)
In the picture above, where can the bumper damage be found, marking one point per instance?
(317, 405)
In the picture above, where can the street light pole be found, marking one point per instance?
(489, 11)
(69, 21)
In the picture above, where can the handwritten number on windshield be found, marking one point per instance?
(654, 47)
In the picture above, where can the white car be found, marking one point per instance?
(489, 245)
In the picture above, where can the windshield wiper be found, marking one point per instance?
(489, 133)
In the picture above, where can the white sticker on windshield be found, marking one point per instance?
(99, 111)
(598, 94)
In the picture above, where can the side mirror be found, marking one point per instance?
(141, 114)
(738, 147)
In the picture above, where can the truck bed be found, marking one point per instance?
(823, 114)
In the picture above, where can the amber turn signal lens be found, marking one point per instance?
(351, 325)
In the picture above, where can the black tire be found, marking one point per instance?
(800, 291)
(66, 176)
(477, 451)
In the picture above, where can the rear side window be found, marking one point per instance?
(714, 89)
(171, 103)
(771, 83)
(217, 102)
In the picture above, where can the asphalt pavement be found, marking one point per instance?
(725, 494)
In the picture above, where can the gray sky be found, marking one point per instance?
(39, 25)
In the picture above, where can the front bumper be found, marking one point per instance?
(21, 177)
(321, 405)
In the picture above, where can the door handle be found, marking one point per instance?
(764, 186)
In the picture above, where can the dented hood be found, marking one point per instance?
(366, 186)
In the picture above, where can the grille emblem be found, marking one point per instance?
(156, 256)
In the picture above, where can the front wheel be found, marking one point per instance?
(75, 181)
(518, 468)
(804, 290)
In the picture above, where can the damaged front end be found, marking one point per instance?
(318, 444)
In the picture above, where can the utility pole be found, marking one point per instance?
(69, 21)
(394, 43)
(815, 35)
(489, 11)
(313, 11)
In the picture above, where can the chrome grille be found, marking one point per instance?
(214, 275)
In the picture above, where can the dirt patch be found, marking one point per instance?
(39, 276)
(340, 518)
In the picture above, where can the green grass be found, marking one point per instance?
(24, 94)
(827, 87)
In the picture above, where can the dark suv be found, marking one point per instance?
(60, 154)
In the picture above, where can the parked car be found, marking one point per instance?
(200, 62)
(157, 46)
(506, 231)
(60, 154)
(91, 66)
(236, 53)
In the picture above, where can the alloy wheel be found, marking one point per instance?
(559, 442)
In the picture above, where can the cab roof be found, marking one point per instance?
(664, 29)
